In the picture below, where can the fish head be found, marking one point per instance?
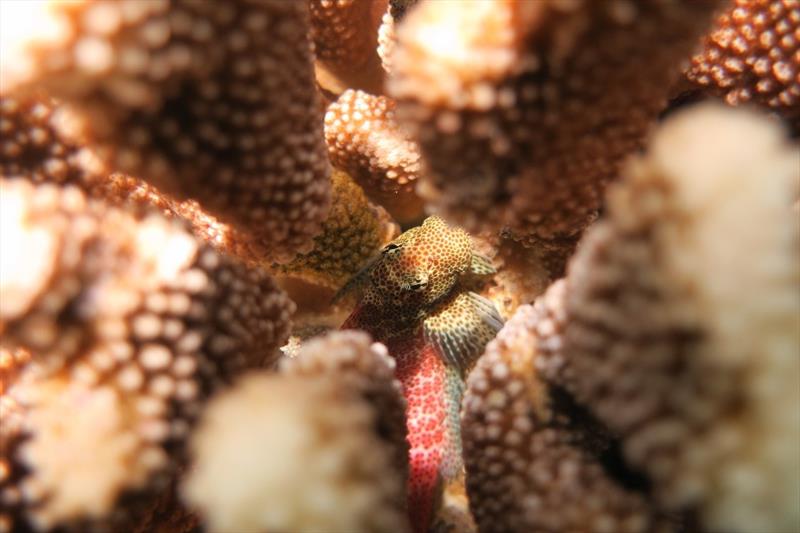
(420, 267)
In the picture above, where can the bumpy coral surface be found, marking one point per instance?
(345, 35)
(529, 467)
(753, 55)
(132, 323)
(31, 145)
(680, 343)
(387, 33)
(364, 139)
(353, 233)
(12, 415)
(524, 110)
(196, 98)
(294, 453)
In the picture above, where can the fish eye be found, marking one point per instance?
(418, 285)
(391, 247)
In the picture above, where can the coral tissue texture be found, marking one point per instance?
(352, 234)
(364, 139)
(524, 110)
(752, 54)
(683, 339)
(528, 467)
(302, 451)
(132, 323)
(387, 32)
(345, 35)
(31, 145)
(210, 101)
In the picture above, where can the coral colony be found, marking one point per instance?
(400, 266)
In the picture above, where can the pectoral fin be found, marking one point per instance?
(481, 266)
(460, 329)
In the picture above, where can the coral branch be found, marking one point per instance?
(364, 139)
(684, 347)
(354, 232)
(524, 110)
(752, 54)
(304, 451)
(132, 324)
(208, 101)
(530, 467)
(345, 34)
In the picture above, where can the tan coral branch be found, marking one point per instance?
(683, 346)
(133, 323)
(345, 35)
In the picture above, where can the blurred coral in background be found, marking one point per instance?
(195, 195)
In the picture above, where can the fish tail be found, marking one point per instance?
(424, 488)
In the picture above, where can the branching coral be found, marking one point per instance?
(353, 232)
(524, 110)
(753, 55)
(684, 346)
(214, 102)
(160, 158)
(324, 458)
(530, 467)
(33, 148)
(345, 34)
(364, 139)
(123, 51)
(132, 323)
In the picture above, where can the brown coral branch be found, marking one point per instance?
(208, 101)
(364, 139)
(307, 450)
(354, 232)
(752, 54)
(345, 35)
(355, 362)
(530, 466)
(524, 110)
(387, 32)
(32, 146)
